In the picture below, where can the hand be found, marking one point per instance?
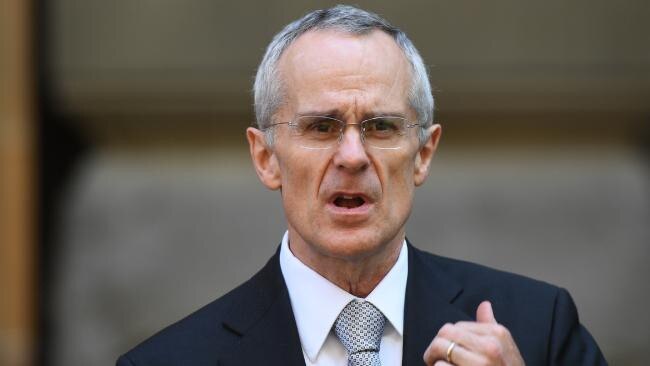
(484, 342)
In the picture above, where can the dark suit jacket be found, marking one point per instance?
(254, 323)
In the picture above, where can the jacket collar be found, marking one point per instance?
(263, 320)
(430, 294)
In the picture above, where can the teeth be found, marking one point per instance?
(348, 197)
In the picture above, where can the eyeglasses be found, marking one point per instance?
(320, 132)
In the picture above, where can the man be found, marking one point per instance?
(344, 113)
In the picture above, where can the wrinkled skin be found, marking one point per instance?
(352, 78)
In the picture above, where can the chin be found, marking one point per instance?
(351, 244)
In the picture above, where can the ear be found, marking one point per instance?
(425, 154)
(264, 159)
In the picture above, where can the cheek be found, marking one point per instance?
(399, 185)
(398, 167)
(301, 176)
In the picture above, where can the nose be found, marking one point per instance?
(351, 153)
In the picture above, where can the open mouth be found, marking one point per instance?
(349, 202)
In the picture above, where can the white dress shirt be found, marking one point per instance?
(317, 302)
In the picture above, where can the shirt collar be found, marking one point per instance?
(316, 302)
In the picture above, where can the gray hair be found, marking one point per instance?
(268, 89)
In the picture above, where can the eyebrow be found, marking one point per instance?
(335, 113)
(332, 113)
(385, 114)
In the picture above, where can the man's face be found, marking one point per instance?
(350, 201)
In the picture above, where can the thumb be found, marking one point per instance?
(484, 313)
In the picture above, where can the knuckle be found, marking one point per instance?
(428, 355)
(501, 331)
(493, 349)
(446, 330)
(431, 351)
(462, 323)
(437, 344)
(426, 358)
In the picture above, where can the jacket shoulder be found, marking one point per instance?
(542, 317)
(199, 338)
(483, 280)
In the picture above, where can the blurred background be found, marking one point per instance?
(127, 199)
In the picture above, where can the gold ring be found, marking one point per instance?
(450, 349)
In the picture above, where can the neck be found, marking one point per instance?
(359, 275)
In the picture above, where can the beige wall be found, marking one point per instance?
(544, 107)
(17, 272)
(522, 66)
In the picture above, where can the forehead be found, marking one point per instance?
(332, 69)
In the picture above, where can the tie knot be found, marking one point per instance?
(360, 327)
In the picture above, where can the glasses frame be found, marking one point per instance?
(344, 125)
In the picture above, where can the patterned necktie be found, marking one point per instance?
(360, 327)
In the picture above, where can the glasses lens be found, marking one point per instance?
(385, 132)
(319, 132)
(316, 132)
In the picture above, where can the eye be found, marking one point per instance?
(323, 126)
(383, 125)
(319, 125)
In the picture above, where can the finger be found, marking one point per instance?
(486, 336)
(436, 350)
(471, 339)
(484, 313)
(442, 363)
(480, 328)
(459, 355)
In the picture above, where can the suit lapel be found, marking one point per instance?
(266, 331)
(264, 323)
(430, 294)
